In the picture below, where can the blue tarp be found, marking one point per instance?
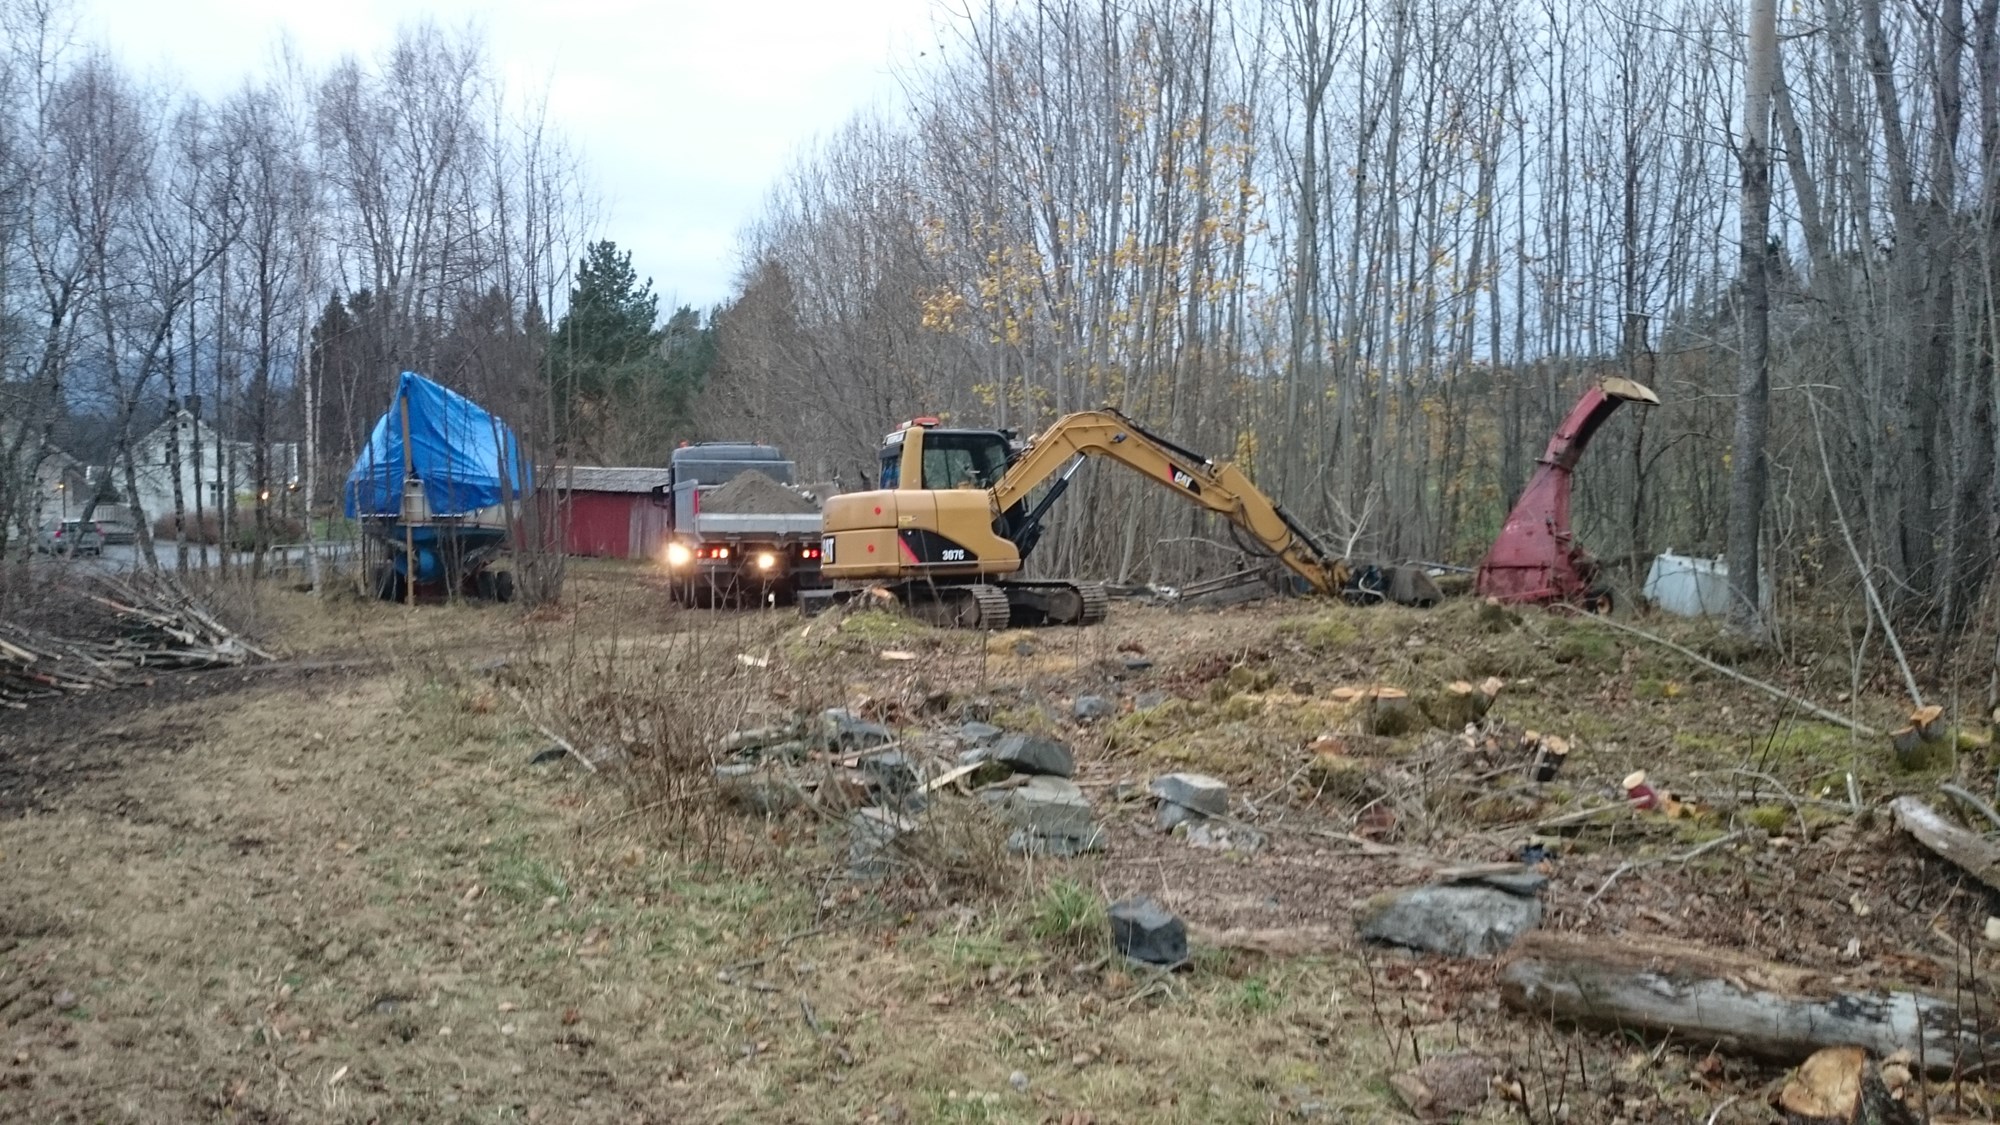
(455, 448)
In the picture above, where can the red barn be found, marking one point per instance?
(611, 510)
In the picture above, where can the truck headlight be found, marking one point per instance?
(678, 554)
(766, 560)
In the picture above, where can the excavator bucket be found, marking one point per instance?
(1536, 559)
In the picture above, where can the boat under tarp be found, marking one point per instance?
(438, 484)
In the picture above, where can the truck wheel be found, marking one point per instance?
(503, 586)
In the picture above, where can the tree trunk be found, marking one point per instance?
(1778, 1012)
(1748, 469)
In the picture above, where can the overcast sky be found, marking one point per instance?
(687, 111)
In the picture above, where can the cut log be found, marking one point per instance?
(1967, 850)
(1741, 1004)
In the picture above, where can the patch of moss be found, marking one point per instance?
(881, 625)
(1587, 647)
(1245, 678)
(1241, 708)
(1023, 719)
(1511, 657)
(1772, 819)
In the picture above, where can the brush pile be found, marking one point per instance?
(108, 636)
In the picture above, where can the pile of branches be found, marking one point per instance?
(111, 636)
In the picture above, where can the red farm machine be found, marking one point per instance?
(1537, 560)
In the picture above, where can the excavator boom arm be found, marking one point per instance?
(1218, 486)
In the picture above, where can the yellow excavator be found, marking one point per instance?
(956, 516)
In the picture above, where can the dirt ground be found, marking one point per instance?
(354, 886)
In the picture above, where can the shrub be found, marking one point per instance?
(243, 536)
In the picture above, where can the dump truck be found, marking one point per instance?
(740, 530)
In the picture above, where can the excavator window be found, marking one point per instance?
(964, 459)
(892, 466)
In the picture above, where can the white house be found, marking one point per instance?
(53, 478)
(220, 471)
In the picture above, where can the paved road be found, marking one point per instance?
(119, 557)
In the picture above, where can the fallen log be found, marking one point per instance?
(1741, 1004)
(1964, 849)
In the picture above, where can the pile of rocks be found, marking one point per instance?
(884, 784)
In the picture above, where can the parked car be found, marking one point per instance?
(117, 531)
(71, 537)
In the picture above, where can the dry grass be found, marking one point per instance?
(353, 898)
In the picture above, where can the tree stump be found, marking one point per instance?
(1929, 723)
(1388, 712)
(1550, 753)
(1911, 753)
(1460, 704)
(1841, 1086)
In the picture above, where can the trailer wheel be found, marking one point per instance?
(503, 586)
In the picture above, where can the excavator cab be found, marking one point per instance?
(923, 456)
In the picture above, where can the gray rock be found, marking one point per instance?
(871, 841)
(1224, 837)
(1090, 708)
(891, 772)
(842, 729)
(793, 751)
(755, 790)
(1024, 841)
(1019, 1081)
(1522, 881)
(1046, 806)
(1146, 931)
(1188, 796)
(976, 733)
(1150, 700)
(1137, 664)
(1027, 753)
(1466, 920)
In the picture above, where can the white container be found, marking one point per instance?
(1691, 587)
(416, 505)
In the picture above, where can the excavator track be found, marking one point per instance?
(1053, 602)
(974, 606)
